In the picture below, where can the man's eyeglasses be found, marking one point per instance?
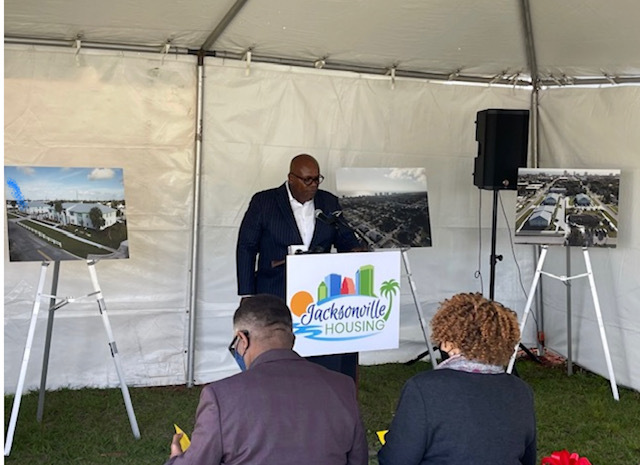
(234, 342)
(310, 180)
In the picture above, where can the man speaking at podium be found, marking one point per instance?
(295, 216)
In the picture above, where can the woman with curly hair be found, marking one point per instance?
(467, 410)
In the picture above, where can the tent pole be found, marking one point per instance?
(535, 160)
(222, 25)
(531, 49)
(195, 224)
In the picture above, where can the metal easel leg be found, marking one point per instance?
(569, 317)
(412, 285)
(603, 335)
(527, 307)
(25, 361)
(114, 349)
(47, 344)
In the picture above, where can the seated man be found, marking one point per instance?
(282, 410)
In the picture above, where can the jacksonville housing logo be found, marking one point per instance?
(343, 308)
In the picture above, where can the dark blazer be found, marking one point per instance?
(449, 417)
(266, 231)
(284, 410)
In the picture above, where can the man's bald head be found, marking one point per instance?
(301, 161)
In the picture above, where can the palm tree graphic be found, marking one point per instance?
(388, 290)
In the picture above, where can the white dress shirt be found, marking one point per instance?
(304, 213)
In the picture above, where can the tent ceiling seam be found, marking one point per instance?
(504, 78)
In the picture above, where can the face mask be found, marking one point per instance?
(233, 349)
(239, 360)
(443, 353)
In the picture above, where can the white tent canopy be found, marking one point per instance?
(499, 40)
(122, 85)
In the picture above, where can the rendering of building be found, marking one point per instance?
(582, 200)
(78, 214)
(541, 217)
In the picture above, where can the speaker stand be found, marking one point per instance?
(493, 259)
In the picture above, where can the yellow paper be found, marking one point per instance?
(381, 435)
(184, 440)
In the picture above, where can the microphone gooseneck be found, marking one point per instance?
(327, 219)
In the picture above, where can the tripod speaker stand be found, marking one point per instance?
(502, 137)
(494, 259)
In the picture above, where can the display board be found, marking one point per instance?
(387, 206)
(570, 207)
(62, 213)
(344, 302)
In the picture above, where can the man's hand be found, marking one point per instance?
(175, 445)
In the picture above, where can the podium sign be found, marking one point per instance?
(347, 302)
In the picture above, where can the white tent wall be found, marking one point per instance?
(255, 122)
(597, 128)
(106, 109)
(138, 112)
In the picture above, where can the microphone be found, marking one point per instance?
(337, 214)
(327, 219)
(340, 220)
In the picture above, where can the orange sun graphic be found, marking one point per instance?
(299, 302)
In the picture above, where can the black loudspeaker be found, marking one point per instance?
(502, 136)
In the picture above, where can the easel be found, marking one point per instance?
(53, 306)
(412, 285)
(340, 220)
(594, 294)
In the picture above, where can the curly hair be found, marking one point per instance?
(482, 329)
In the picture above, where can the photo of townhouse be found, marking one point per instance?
(62, 213)
(568, 207)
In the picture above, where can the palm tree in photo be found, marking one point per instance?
(57, 206)
(95, 215)
(389, 289)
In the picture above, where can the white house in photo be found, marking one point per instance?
(541, 217)
(36, 208)
(551, 199)
(582, 200)
(78, 214)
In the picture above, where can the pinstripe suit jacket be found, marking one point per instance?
(266, 231)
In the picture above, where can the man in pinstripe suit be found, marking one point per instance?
(284, 216)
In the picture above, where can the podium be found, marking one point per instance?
(345, 302)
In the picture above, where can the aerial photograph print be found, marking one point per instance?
(62, 213)
(569, 207)
(386, 207)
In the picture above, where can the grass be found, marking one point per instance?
(521, 219)
(110, 237)
(77, 248)
(90, 426)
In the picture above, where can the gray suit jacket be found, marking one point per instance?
(283, 410)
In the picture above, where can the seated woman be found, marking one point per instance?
(467, 410)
